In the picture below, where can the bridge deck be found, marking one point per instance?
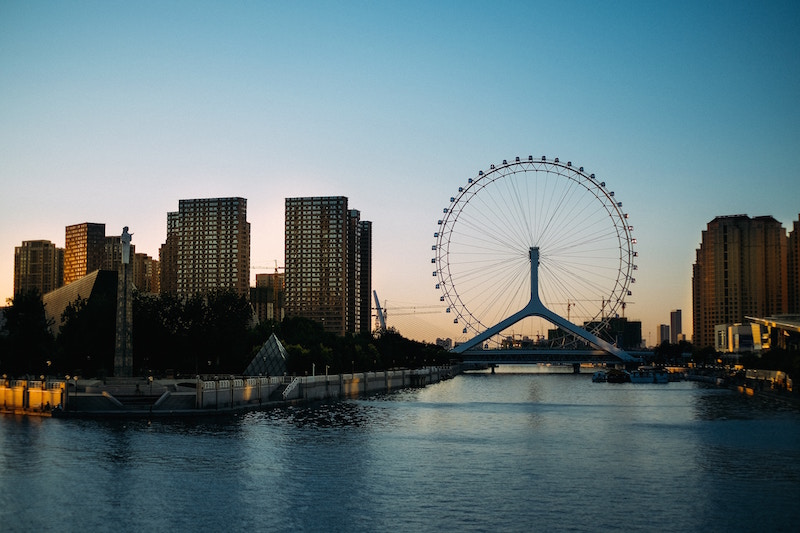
(530, 357)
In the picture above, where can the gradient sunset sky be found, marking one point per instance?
(113, 111)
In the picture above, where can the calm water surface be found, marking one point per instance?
(505, 452)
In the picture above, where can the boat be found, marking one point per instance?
(649, 375)
(617, 376)
(599, 377)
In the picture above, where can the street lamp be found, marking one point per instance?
(75, 379)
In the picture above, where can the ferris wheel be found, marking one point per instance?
(484, 247)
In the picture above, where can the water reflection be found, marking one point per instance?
(502, 452)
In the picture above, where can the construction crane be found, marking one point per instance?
(381, 317)
(384, 311)
(266, 268)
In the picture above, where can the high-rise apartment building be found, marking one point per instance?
(207, 248)
(675, 326)
(38, 265)
(328, 264)
(84, 250)
(793, 267)
(740, 270)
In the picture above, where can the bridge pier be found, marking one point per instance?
(576, 368)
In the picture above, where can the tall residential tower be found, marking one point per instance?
(207, 248)
(740, 270)
(328, 264)
(84, 250)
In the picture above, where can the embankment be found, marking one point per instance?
(148, 397)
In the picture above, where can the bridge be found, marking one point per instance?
(547, 355)
(535, 307)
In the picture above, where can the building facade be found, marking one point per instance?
(38, 265)
(145, 273)
(328, 264)
(207, 247)
(84, 250)
(793, 267)
(168, 257)
(740, 270)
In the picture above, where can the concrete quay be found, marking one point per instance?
(132, 397)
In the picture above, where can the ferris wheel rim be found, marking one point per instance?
(619, 230)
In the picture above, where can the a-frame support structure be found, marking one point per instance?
(535, 307)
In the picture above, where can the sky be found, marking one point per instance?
(111, 112)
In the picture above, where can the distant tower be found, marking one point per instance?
(675, 326)
(38, 265)
(267, 296)
(663, 333)
(740, 270)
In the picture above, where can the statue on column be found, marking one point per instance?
(125, 238)
(123, 352)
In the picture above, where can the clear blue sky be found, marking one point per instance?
(113, 111)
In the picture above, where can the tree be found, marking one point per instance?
(29, 344)
(88, 334)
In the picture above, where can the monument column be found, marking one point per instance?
(123, 350)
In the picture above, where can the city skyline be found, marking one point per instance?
(112, 113)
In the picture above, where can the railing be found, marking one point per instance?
(289, 388)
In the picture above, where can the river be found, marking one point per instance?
(480, 452)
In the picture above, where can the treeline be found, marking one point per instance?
(210, 334)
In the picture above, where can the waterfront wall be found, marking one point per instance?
(131, 396)
(361, 383)
(28, 395)
(230, 393)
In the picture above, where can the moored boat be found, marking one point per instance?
(599, 377)
(617, 376)
(649, 375)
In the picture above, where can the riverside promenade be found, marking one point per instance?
(131, 397)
